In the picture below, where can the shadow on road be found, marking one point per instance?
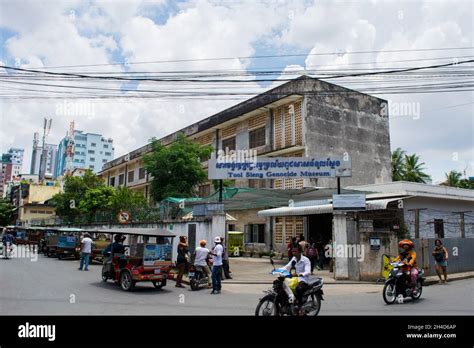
(139, 289)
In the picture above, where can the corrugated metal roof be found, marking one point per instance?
(376, 204)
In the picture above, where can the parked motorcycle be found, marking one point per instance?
(276, 302)
(197, 277)
(398, 284)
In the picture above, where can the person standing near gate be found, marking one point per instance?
(182, 260)
(441, 260)
(217, 266)
(225, 262)
(86, 249)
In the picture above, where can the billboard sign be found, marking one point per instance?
(280, 168)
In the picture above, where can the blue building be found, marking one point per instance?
(91, 151)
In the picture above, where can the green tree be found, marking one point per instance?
(75, 187)
(414, 169)
(6, 212)
(96, 199)
(176, 169)
(453, 179)
(398, 164)
(127, 199)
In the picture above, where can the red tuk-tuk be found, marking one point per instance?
(147, 257)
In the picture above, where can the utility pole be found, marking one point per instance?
(461, 222)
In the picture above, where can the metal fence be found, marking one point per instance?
(460, 253)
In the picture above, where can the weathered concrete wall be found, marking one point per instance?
(370, 268)
(337, 122)
(438, 209)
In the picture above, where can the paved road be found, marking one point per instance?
(50, 286)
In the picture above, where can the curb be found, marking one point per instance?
(435, 281)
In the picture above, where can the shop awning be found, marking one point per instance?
(376, 204)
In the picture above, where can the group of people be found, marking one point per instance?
(214, 262)
(317, 253)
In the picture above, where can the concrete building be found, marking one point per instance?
(304, 117)
(91, 151)
(393, 211)
(17, 161)
(32, 202)
(51, 159)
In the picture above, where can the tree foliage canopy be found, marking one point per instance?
(176, 169)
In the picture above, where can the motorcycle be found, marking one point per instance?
(277, 302)
(197, 277)
(398, 284)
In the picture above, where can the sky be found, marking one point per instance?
(115, 35)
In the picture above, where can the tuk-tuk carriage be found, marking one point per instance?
(21, 235)
(100, 242)
(68, 243)
(147, 257)
(49, 242)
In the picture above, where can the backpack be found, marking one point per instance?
(311, 252)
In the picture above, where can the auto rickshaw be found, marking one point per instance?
(21, 235)
(49, 242)
(235, 243)
(100, 242)
(147, 257)
(68, 243)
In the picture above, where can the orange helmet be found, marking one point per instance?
(202, 243)
(406, 242)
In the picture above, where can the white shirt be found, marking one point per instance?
(86, 245)
(303, 266)
(218, 250)
(201, 256)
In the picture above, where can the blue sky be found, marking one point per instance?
(44, 34)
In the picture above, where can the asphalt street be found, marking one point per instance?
(53, 287)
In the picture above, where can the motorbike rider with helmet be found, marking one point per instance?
(301, 265)
(408, 256)
(200, 257)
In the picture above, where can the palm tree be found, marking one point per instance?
(398, 164)
(453, 179)
(413, 171)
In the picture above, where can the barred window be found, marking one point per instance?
(228, 144)
(257, 137)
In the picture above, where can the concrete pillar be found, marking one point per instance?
(341, 269)
(218, 227)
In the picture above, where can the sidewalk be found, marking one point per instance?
(248, 270)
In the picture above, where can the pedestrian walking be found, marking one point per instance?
(304, 244)
(440, 254)
(225, 262)
(312, 254)
(321, 256)
(86, 249)
(291, 244)
(182, 260)
(328, 250)
(217, 266)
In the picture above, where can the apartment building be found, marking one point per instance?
(91, 151)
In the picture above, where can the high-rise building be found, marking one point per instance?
(17, 162)
(91, 151)
(6, 172)
(51, 158)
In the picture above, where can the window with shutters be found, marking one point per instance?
(228, 144)
(121, 179)
(131, 176)
(257, 183)
(288, 125)
(141, 173)
(257, 137)
(278, 230)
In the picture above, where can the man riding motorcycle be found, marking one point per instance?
(302, 267)
(408, 256)
(201, 257)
